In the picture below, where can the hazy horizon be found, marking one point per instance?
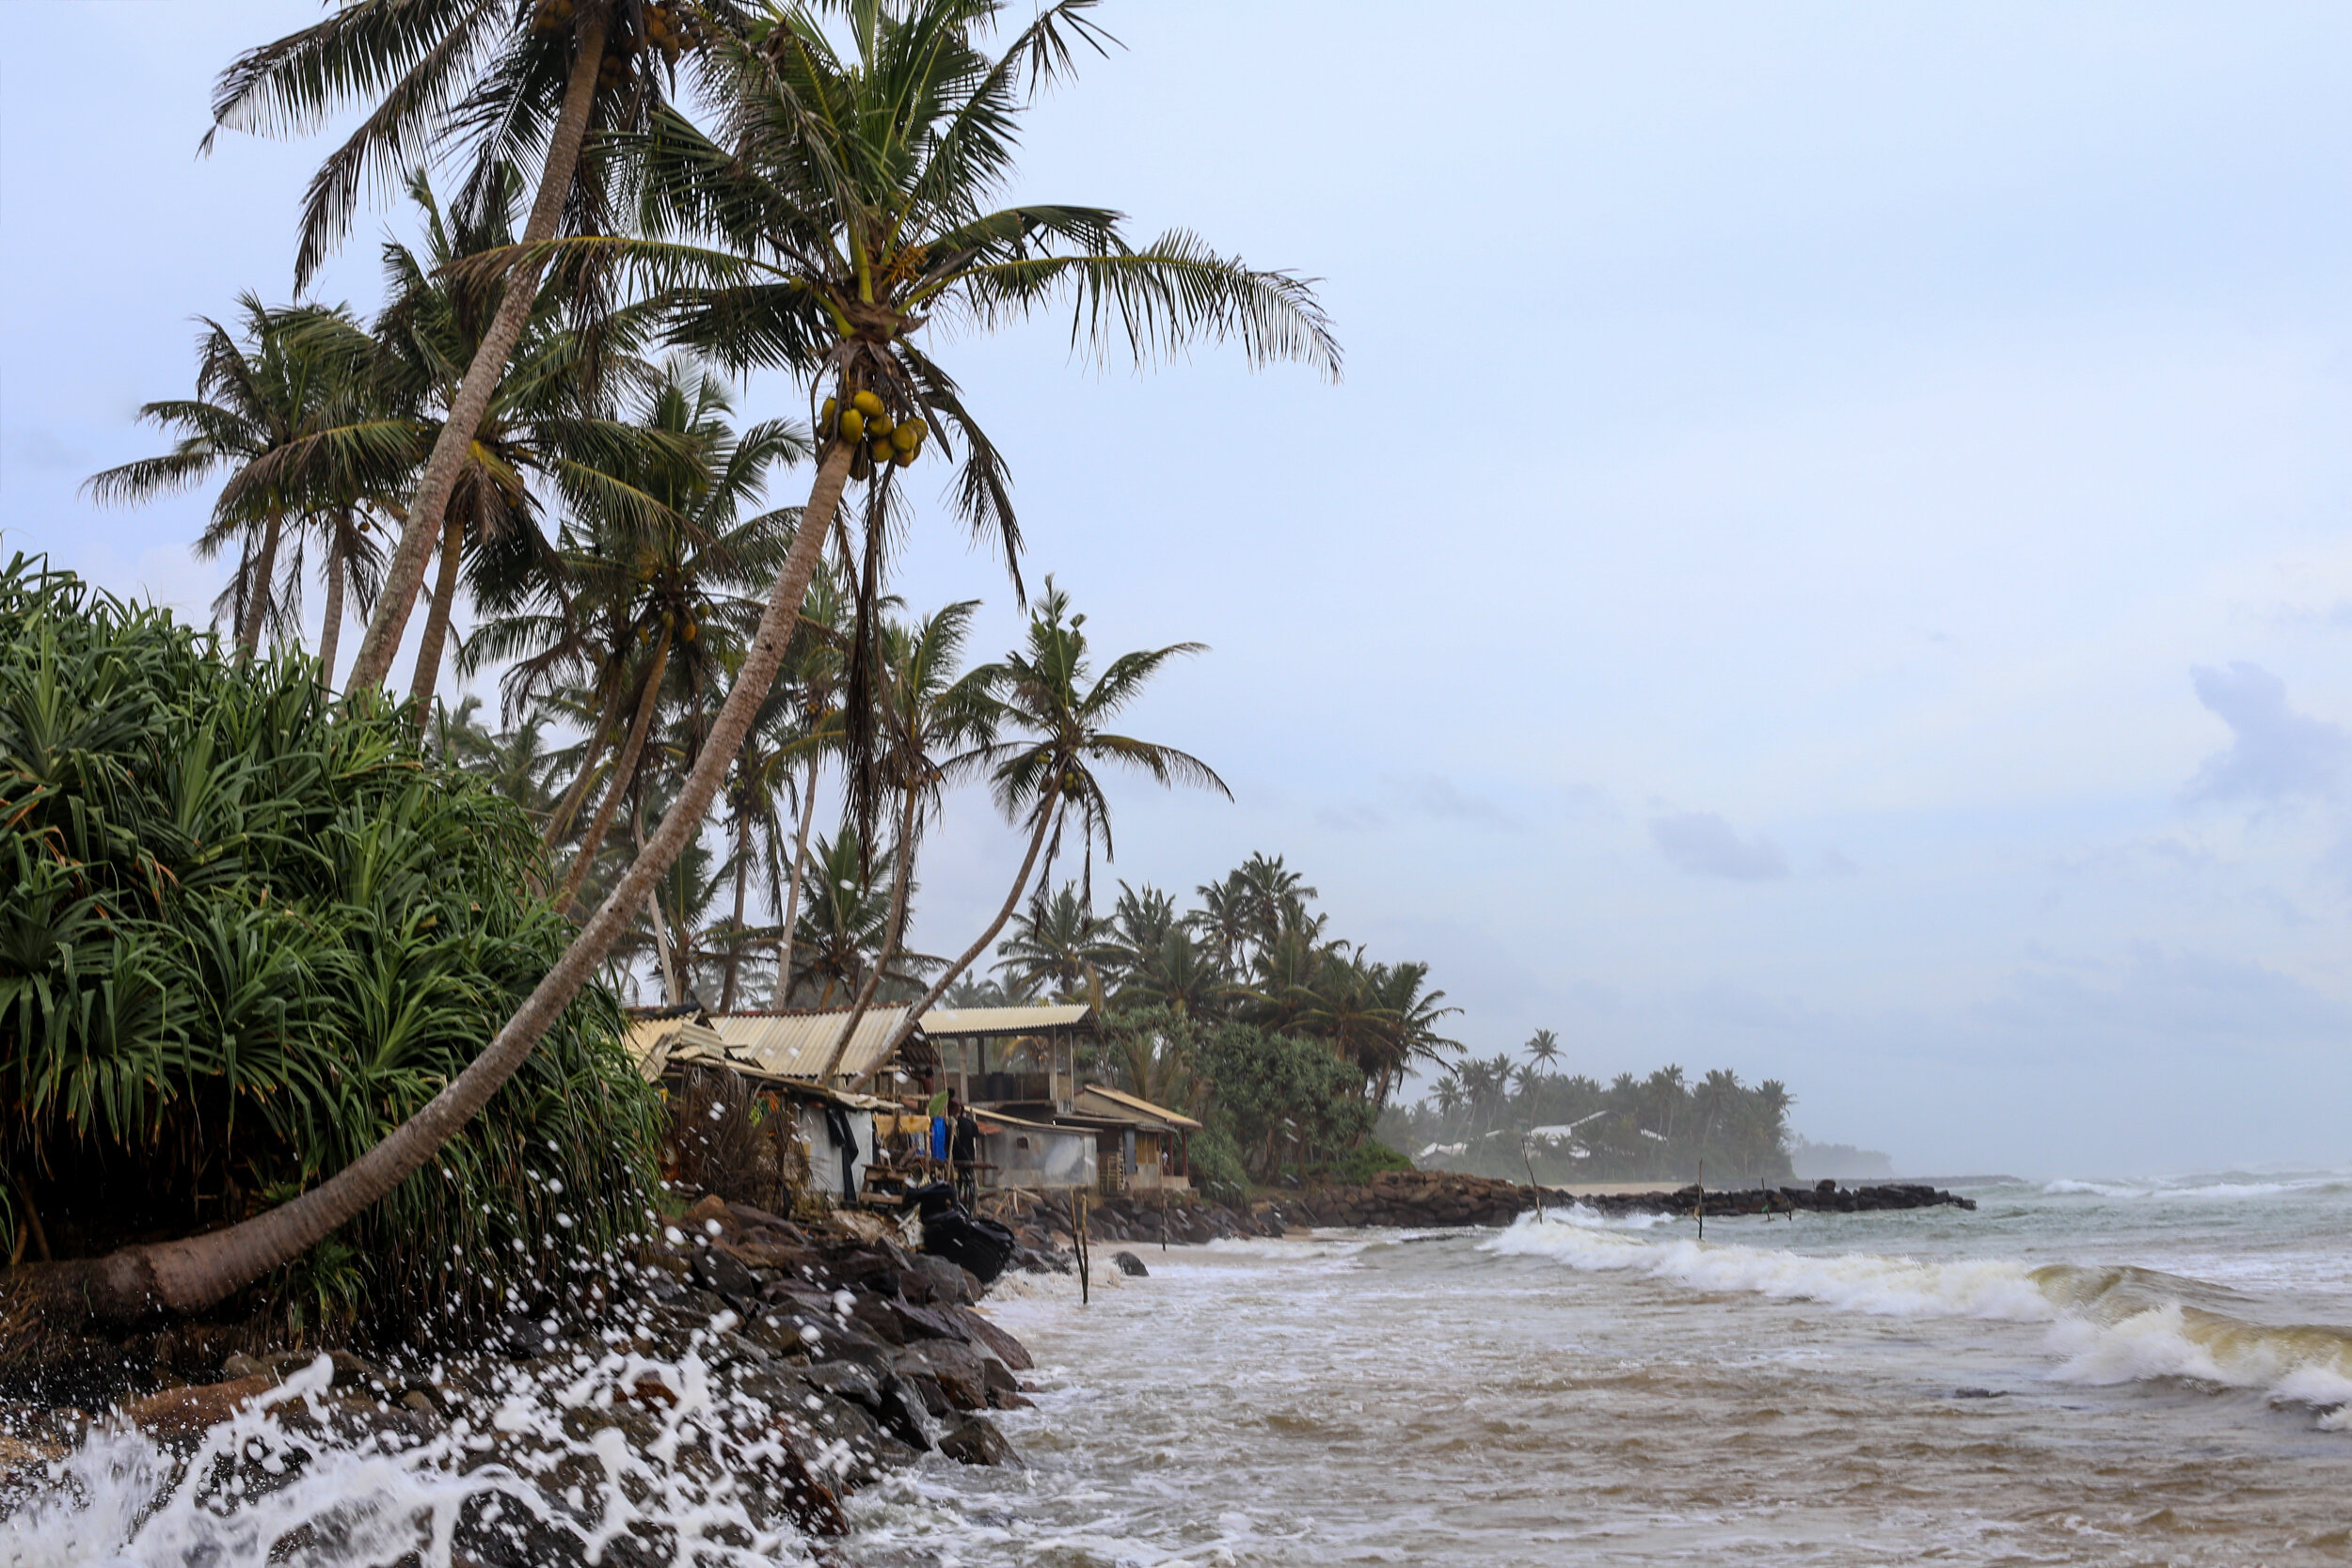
(1828, 560)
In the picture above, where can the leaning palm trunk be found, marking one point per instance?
(972, 954)
(197, 1271)
(257, 592)
(560, 820)
(406, 572)
(331, 631)
(624, 770)
(890, 940)
(437, 616)
(742, 886)
(792, 893)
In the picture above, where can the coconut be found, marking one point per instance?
(692, 631)
(867, 404)
(881, 448)
(853, 425)
(879, 430)
(824, 420)
(904, 457)
(907, 437)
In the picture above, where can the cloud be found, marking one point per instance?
(1349, 819)
(2275, 753)
(1705, 844)
(1434, 795)
(38, 448)
(1829, 862)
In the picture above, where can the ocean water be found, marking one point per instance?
(2076, 1373)
(2081, 1371)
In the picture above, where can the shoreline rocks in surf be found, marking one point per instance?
(1434, 1200)
(782, 1365)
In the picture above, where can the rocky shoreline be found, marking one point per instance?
(1414, 1199)
(777, 1365)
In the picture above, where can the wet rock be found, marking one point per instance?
(907, 1415)
(957, 1366)
(978, 1442)
(720, 1272)
(1004, 1389)
(995, 1341)
(1130, 1265)
(951, 1283)
(185, 1412)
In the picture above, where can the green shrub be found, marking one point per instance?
(1366, 1161)
(1216, 1166)
(248, 930)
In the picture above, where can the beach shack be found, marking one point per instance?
(1021, 1154)
(1022, 1059)
(780, 1055)
(1138, 1147)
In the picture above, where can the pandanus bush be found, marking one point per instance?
(249, 931)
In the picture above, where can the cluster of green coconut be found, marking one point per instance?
(867, 424)
(669, 29)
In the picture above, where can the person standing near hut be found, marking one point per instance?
(964, 1150)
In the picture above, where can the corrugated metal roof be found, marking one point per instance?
(652, 1041)
(1141, 1107)
(1004, 1021)
(796, 1045)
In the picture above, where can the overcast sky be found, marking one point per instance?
(1829, 557)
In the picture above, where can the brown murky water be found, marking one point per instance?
(2038, 1383)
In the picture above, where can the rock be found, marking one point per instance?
(908, 1415)
(185, 1411)
(755, 1219)
(238, 1365)
(1130, 1265)
(950, 1282)
(1004, 1389)
(995, 1341)
(978, 1442)
(722, 1273)
(711, 1209)
(957, 1366)
(847, 1380)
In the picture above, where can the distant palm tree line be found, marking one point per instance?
(1495, 1117)
(1251, 951)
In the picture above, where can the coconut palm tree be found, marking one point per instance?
(856, 189)
(544, 420)
(1542, 1047)
(492, 82)
(1057, 948)
(649, 596)
(937, 719)
(813, 669)
(1049, 693)
(284, 409)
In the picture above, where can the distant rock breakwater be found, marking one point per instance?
(1412, 1199)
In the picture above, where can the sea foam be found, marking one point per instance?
(2107, 1325)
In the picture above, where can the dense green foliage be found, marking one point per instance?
(1484, 1113)
(249, 931)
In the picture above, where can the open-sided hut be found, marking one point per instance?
(1020, 1058)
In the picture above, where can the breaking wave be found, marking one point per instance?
(2108, 1325)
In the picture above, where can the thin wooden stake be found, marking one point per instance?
(1532, 1184)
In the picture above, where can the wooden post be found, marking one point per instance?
(1533, 1185)
(1079, 1236)
(1701, 1209)
(1163, 1214)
